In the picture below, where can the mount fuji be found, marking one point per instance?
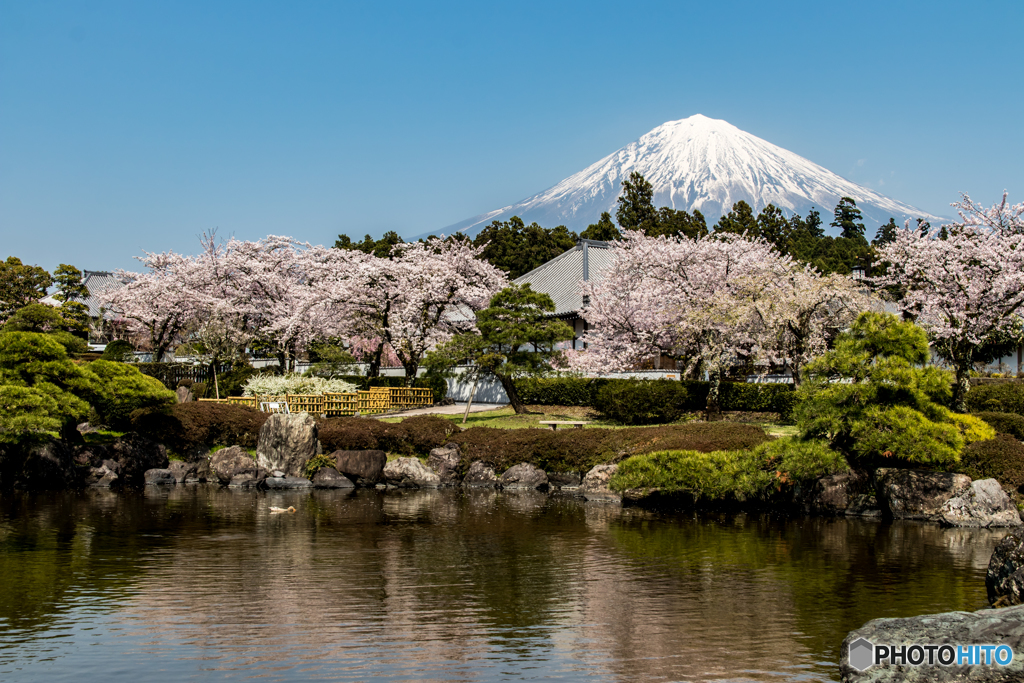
(700, 163)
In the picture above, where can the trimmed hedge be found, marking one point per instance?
(1005, 423)
(412, 436)
(1001, 458)
(188, 427)
(1006, 397)
(560, 391)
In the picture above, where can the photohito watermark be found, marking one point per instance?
(864, 654)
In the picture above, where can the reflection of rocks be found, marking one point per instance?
(918, 494)
(524, 500)
(480, 476)
(848, 493)
(1005, 577)
(159, 477)
(524, 476)
(330, 478)
(287, 443)
(595, 484)
(984, 504)
(410, 504)
(445, 461)
(364, 468)
(410, 473)
(999, 626)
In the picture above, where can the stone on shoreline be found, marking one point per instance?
(364, 468)
(287, 483)
(445, 462)
(229, 464)
(918, 494)
(330, 478)
(847, 493)
(159, 477)
(565, 480)
(480, 476)
(410, 473)
(287, 442)
(595, 484)
(183, 470)
(1004, 579)
(987, 626)
(984, 504)
(524, 476)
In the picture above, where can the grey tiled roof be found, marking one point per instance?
(95, 281)
(560, 277)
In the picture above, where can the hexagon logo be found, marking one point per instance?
(862, 654)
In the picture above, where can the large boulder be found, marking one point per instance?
(184, 395)
(1005, 577)
(330, 478)
(917, 494)
(984, 504)
(287, 443)
(847, 493)
(445, 461)
(230, 463)
(565, 480)
(994, 626)
(595, 484)
(183, 471)
(135, 455)
(410, 473)
(48, 466)
(480, 476)
(524, 476)
(364, 468)
(102, 476)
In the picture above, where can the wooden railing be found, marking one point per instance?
(373, 401)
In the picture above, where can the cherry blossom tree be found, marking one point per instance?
(963, 283)
(418, 297)
(700, 300)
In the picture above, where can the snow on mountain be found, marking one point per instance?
(700, 163)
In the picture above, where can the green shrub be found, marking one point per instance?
(708, 477)
(1000, 458)
(1006, 397)
(800, 460)
(1005, 423)
(123, 389)
(906, 435)
(642, 402)
(316, 463)
(118, 351)
(559, 391)
(191, 426)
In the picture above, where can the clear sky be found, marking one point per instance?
(131, 126)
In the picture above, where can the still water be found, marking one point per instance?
(202, 583)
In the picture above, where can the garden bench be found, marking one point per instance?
(554, 424)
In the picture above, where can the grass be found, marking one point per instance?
(101, 436)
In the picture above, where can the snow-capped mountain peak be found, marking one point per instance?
(699, 163)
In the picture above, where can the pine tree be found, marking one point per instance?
(636, 204)
(20, 285)
(885, 234)
(739, 221)
(604, 230)
(847, 219)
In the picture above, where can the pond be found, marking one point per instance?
(203, 583)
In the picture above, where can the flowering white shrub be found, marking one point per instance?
(278, 385)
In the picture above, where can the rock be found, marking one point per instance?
(86, 428)
(135, 454)
(103, 476)
(410, 473)
(183, 470)
(159, 477)
(184, 395)
(445, 462)
(479, 476)
(917, 494)
(848, 493)
(595, 484)
(287, 442)
(229, 463)
(245, 480)
(204, 472)
(287, 483)
(990, 626)
(364, 468)
(1005, 576)
(984, 504)
(48, 466)
(565, 480)
(330, 478)
(524, 476)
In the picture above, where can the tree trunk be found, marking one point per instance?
(374, 369)
(510, 390)
(216, 386)
(796, 376)
(411, 369)
(962, 386)
(713, 409)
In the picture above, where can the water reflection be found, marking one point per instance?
(198, 581)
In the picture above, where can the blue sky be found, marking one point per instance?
(131, 126)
